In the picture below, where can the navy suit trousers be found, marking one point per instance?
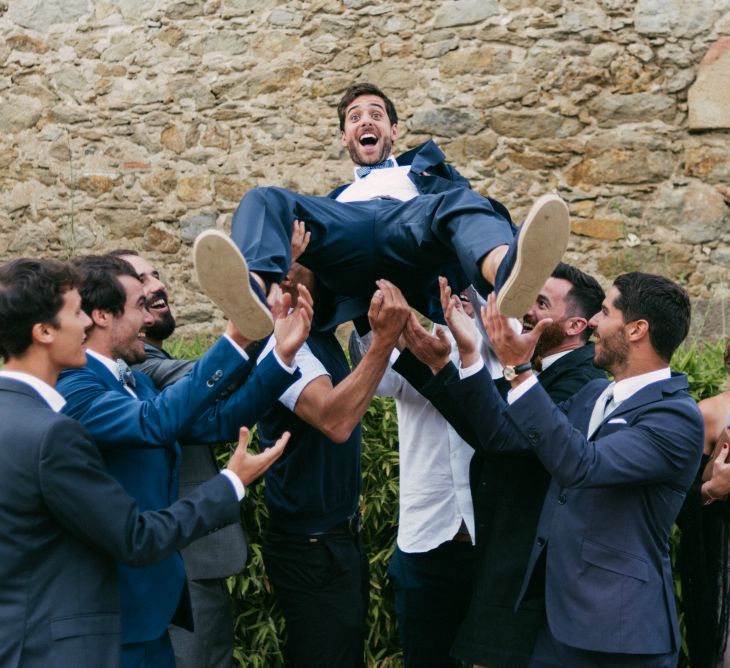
(354, 244)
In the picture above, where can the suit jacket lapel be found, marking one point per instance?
(647, 395)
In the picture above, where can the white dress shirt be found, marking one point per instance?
(434, 467)
(388, 182)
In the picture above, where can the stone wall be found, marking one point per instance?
(141, 122)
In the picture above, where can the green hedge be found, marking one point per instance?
(258, 623)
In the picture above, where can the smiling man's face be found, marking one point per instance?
(368, 134)
(155, 292)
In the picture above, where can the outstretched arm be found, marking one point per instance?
(336, 410)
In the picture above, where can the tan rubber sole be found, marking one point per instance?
(543, 239)
(223, 276)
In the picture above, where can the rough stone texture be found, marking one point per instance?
(140, 122)
(709, 96)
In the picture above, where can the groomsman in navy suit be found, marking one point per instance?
(64, 517)
(138, 428)
(622, 455)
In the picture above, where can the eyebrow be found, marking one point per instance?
(370, 104)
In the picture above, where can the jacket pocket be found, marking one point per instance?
(85, 625)
(615, 561)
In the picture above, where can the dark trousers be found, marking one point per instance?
(322, 586)
(432, 593)
(210, 645)
(354, 244)
(549, 652)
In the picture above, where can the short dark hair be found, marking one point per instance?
(364, 88)
(100, 287)
(31, 291)
(585, 297)
(660, 301)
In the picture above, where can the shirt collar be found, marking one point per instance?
(49, 394)
(106, 361)
(393, 163)
(551, 359)
(629, 386)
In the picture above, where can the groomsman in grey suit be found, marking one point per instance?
(65, 519)
(212, 558)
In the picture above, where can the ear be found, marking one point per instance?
(576, 325)
(393, 131)
(343, 140)
(42, 332)
(637, 329)
(101, 318)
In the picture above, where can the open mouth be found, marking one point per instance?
(368, 139)
(157, 303)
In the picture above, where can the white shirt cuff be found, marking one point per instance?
(236, 482)
(240, 350)
(516, 392)
(286, 367)
(465, 372)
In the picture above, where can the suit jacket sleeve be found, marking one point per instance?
(116, 419)
(432, 387)
(91, 504)
(245, 406)
(658, 442)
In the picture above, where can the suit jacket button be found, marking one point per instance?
(532, 436)
(214, 378)
(540, 541)
(562, 499)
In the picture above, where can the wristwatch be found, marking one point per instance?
(511, 372)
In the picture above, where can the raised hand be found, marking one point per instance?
(291, 330)
(510, 347)
(248, 467)
(432, 350)
(462, 326)
(388, 313)
(299, 240)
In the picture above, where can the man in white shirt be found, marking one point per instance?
(432, 568)
(65, 519)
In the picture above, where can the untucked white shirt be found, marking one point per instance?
(434, 467)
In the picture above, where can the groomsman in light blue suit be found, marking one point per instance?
(138, 428)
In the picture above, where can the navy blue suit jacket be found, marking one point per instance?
(65, 520)
(605, 523)
(138, 438)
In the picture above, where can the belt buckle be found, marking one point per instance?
(353, 524)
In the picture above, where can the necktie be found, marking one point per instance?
(124, 374)
(364, 170)
(604, 405)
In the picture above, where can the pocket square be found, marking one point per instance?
(616, 421)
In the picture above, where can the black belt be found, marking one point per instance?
(349, 527)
